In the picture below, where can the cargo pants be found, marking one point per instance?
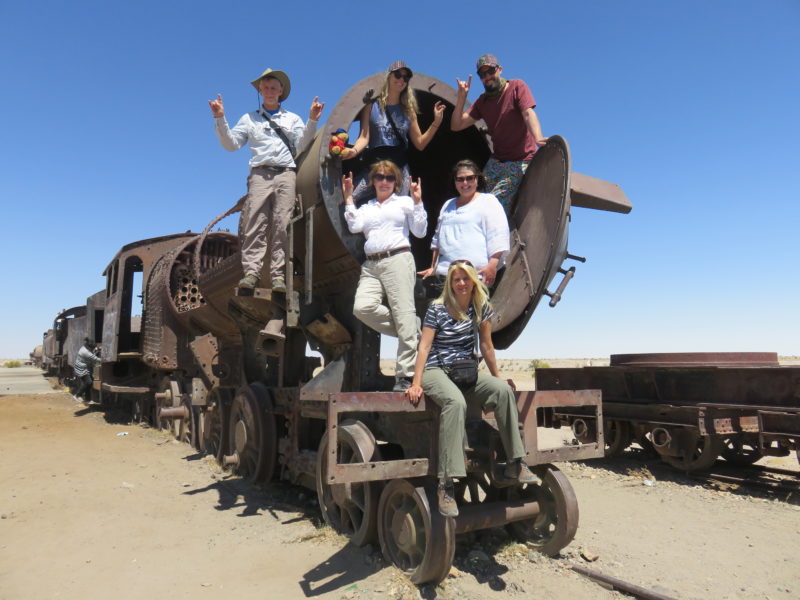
(265, 218)
(491, 394)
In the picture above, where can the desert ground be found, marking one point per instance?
(94, 507)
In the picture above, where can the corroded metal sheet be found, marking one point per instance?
(540, 221)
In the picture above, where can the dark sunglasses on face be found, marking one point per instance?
(382, 177)
(465, 179)
(402, 75)
(487, 71)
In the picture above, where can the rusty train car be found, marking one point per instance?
(690, 408)
(194, 356)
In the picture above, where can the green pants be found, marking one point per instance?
(491, 394)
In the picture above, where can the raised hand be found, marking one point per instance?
(347, 188)
(463, 86)
(316, 109)
(438, 112)
(217, 109)
(416, 190)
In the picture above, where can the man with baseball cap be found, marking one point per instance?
(276, 137)
(506, 106)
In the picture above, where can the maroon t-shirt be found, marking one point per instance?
(510, 136)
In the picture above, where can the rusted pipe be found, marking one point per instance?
(661, 438)
(620, 585)
(494, 514)
(174, 412)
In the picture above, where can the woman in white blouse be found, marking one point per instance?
(472, 226)
(389, 270)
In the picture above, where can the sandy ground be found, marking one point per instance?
(86, 512)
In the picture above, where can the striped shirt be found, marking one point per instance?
(85, 361)
(453, 339)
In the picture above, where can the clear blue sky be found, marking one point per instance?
(692, 107)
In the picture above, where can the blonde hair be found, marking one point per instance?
(480, 293)
(384, 166)
(408, 100)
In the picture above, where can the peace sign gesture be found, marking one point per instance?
(217, 109)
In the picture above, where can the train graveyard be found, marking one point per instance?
(92, 506)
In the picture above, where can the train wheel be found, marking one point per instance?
(699, 453)
(415, 539)
(618, 436)
(350, 508)
(246, 433)
(555, 525)
(214, 437)
(741, 451)
(269, 432)
(475, 488)
(169, 397)
(187, 428)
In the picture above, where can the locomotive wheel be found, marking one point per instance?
(415, 539)
(269, 432)
(246, 432)
(741, 451)
(700, 453)
(187, 428)
(555, 525)
(618, 436)
(475, 488)
(350, 508)
(172, 389)
(215, 428)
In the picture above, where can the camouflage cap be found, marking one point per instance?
(487, 60)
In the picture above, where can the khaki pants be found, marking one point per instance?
(264, 219)
(491, 394)
(392, 278)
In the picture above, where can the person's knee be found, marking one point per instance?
(365, 306)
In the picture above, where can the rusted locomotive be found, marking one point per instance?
(200, 362)
(690, 408)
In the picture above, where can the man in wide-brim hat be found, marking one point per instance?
(276, 137)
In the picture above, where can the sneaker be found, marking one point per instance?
(249, 281)
(519, 471)
(447, 504)
(278, 285)
(76, 398)
(402, 384)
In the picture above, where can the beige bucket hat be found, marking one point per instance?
(280, 76)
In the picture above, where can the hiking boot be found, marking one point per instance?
(519, 471)
(249, 281)
(447, 504)
(278, 285)
(402, 384)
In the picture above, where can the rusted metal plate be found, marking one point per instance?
(125, 389)
(541, 220)
(380, 470)
(529, 402)
(690, 359)
(590, 192)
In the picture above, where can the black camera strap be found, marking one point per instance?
(279, 130)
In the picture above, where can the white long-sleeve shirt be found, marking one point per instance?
(475, 231)
(386, 224)
(266, 146)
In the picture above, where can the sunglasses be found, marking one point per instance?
(487, 71)
(382, 177)
(465, 179)
(404, 75)
(462, 261)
